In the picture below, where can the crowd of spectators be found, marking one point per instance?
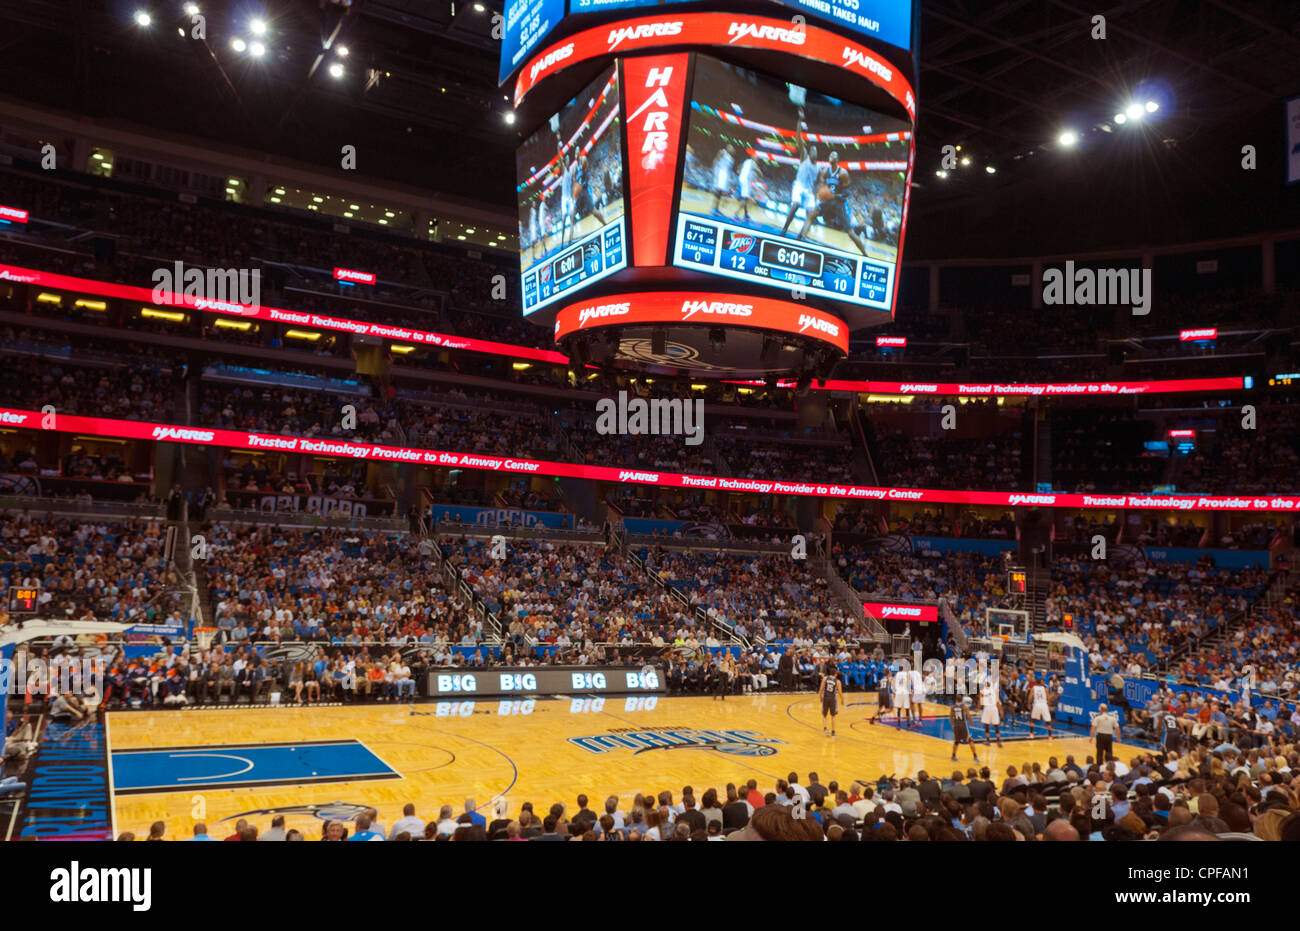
(88, 570)
(766, 596)
(914, 460)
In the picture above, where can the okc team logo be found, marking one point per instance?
(733, 743)
(741, 243)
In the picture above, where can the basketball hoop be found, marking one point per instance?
(204, 636)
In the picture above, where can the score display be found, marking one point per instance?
(542, 680)
(24, 600)
(790, 188)
(570, 197)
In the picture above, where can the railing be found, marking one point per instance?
(456, 529)
(231, 515)
(71, 507)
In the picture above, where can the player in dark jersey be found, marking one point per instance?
(1171, 732)
(833, 211)
(831, 692)
(882, 699)
(959, 716)
(582, 203)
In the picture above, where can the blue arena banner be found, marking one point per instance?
(958, 545)
(527, 22)
(501, 517)
(647, 525)
(1224, 559)
(887, 20)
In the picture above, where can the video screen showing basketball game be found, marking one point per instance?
(570, 194)
(791, 188)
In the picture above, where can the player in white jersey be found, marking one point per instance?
(991, 710)
(805, 177)
(722, 175)
(1039, 710)
(543, 225)
(567, 218)
(532, 225)
(918, 697)
(902, 700)
(745, 179)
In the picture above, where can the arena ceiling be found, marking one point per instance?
(1001, 79)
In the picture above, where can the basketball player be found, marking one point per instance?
(805, 176)
(902, 700)
(959, 716)
(567, 171)
(745, 179)
(582, 195)
(1038, 709)
(543, 224)
(991, 710)
(918, 697)
(831, 692)
(833, 181)
(1171, 734)
(722, 175)
(882, 700)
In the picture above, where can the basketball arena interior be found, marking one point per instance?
(606, 420)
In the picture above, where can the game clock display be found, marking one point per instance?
(24, 600)
(791, 188)
(591, 258)
(736, 252)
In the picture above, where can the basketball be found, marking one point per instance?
(824, 193)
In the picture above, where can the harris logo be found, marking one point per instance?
(733, 743)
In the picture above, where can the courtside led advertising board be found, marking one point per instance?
(570, 195)
(790, 188)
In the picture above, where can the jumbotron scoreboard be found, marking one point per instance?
(711, 191)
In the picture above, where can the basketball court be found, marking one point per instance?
(315, 763)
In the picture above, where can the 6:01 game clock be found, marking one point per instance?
(24, 600)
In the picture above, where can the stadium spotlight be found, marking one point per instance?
(341, 51)
(336, 70)
(191, 9)
(238, 44)
(257, 27)
(965, 160)
(479, 8)
(142, 18)
(1152, 106)
(510, 118)
(257, 49)
(1068, 138)
(941, 173)
(1134, 111)
(990, 169)
(1120, 119)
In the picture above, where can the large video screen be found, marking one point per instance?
(791, 188)
(570, 192)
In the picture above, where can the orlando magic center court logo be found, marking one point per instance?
(735, 743)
